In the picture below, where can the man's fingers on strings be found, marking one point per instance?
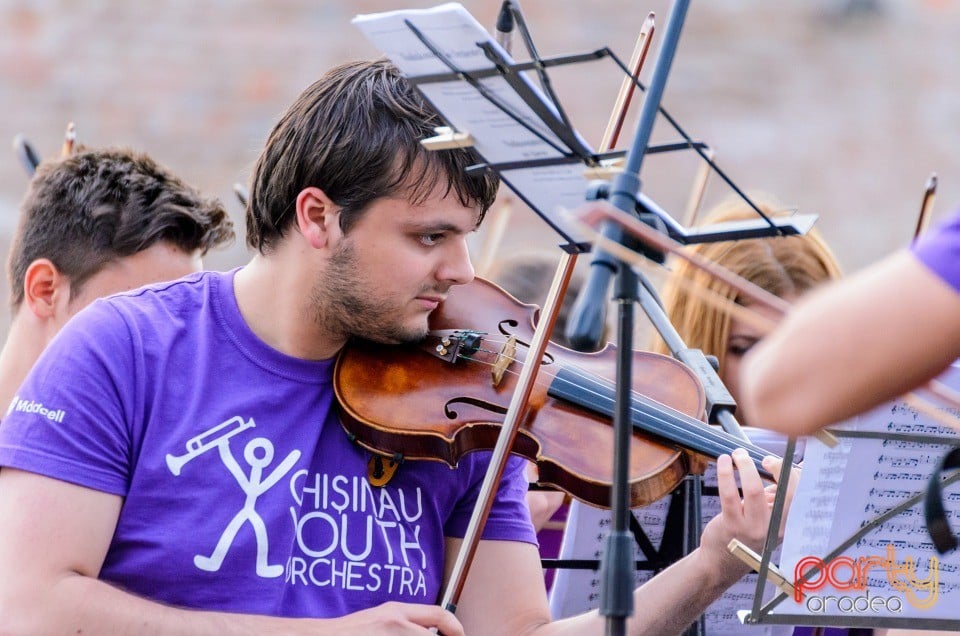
(751, 486)
(727, 486)
(772, 465)
(749, 476)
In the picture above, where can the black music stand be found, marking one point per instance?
(916, 442)
(535, 150)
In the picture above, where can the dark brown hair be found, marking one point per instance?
(96, 206)
(355, 134)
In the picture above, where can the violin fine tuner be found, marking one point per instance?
(455, 342)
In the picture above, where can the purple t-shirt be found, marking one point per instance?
(939, 249)
(242, 492)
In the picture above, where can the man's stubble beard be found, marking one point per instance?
(344, 305)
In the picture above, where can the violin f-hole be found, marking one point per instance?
(451, 413)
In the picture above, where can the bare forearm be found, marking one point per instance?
(851, 346)
(80, 604)
(516, 605)
(667, 604)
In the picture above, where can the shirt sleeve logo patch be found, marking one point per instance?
(37, 408)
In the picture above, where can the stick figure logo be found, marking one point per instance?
(258, 455)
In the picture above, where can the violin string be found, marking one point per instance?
(926, 404)
(711, 440)
(700, 431)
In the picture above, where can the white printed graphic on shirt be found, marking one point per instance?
(258, 454)
(340, 520)
(349, 535)
(32, 406)
(208, 440)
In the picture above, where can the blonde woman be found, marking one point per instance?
(784, 266)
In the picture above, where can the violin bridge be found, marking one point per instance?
(504, 358)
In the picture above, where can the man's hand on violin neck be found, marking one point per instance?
(746, 518)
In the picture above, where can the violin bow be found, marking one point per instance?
(598, 211)
(26, 153)
(512, 419)
(713, 298)
(926, 205)
(242, 194)
(595, 212)
(698, 188)
(935, 388)
(501, 217)
(945, 394)
(628, 86)
(519, 402)
(69, 138)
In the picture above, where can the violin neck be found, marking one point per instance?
(651, 417)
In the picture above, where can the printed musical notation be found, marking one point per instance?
(844, 489)
(576, 591)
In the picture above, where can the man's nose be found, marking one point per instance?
(456, 267)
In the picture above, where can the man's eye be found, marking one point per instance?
(430, 239)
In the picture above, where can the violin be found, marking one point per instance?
(446, 396)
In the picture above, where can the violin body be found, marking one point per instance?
(408, 400)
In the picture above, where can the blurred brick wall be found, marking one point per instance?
(841, 115)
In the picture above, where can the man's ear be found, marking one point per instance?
(45, 289)
(318, 217)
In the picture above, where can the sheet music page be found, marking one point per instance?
(842, 489)
(499, 137)
(577, 591)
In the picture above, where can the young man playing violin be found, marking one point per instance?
(183, 470)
